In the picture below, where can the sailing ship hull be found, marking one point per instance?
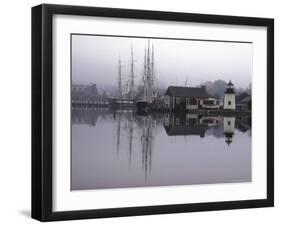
(122, 104)
(143, 107)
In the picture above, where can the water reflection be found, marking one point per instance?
(228, 128)
(130, 133)
(189, 124)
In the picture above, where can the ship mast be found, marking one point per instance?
(119, 80)
(153, 79)
(152, 64)
(148, 84)
(132, 84)
(145, 77)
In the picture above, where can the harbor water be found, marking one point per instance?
(120, 149)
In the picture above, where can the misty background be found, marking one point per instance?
(176, 62)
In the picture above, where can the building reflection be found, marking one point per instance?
(244, 123)
(87, 116)
(188, 124)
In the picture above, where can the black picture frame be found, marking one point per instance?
(42, 111)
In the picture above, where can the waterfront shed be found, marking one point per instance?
(187, 98)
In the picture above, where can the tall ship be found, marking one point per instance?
(144, 105)
(125, 99)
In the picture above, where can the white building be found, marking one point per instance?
(229, 97)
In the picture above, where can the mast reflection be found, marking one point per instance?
(138, 132)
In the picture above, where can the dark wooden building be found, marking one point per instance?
(244, 102)
(189, 98)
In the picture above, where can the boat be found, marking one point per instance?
(143, 107)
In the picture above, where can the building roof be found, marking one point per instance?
(187, 91)
(230, 83)
(182, 130)
(241, 96)
(246, 99)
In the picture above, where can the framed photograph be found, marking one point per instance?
(145, 112)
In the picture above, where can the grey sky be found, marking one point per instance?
(95, 59)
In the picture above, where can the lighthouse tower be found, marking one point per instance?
(229, 97)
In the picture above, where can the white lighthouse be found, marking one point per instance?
(229, 97)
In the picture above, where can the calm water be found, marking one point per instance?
(122, 149)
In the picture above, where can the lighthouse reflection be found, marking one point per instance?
(129, 144)
(228, 127)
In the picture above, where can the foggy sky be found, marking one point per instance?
(95, 60)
